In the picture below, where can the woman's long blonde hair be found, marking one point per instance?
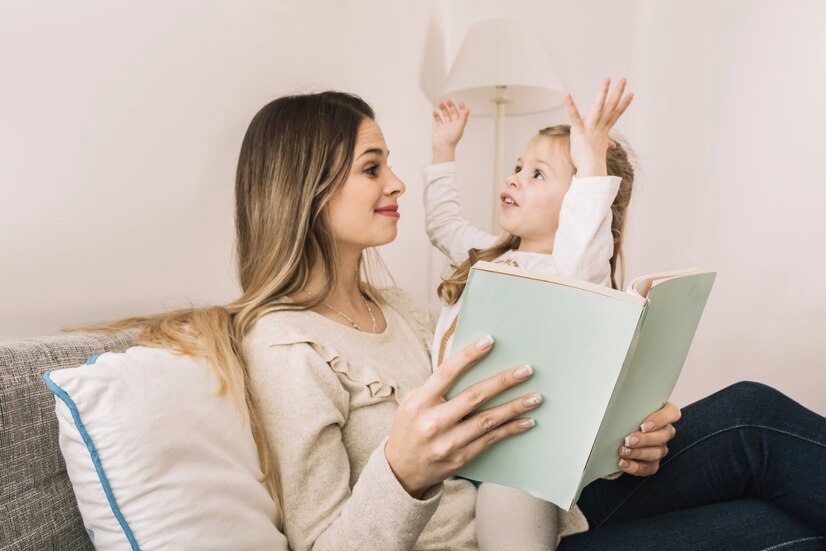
(296, 154)
(618, 164)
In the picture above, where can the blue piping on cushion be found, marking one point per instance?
(94, 357)
(93, 452)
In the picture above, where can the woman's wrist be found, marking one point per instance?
(415, 491)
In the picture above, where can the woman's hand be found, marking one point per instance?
(642, 451)
(589, 136)
(433, 437)
(450, 120)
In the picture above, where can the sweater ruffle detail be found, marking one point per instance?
(296, 331)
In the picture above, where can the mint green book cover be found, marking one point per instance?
(603, 360)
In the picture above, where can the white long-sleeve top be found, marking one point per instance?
(583, 244)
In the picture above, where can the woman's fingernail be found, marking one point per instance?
(622, 463)
(632, 440)
(522, 372)
(532, 401)
(625, 451)
(526, 423)
(647, 426)
(484, 343)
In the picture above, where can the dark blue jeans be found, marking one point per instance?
(746, 470)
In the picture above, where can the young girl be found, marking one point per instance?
(563, 211)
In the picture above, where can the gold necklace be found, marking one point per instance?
(348, 318)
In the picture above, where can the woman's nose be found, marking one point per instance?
(394, 185)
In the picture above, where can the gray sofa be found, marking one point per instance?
(37, 505)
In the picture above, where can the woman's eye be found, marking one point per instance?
(371, 170)
(538, 175)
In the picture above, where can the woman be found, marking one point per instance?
(352, 427)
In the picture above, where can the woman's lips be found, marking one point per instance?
(390, 210)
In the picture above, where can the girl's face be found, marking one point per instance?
(532, 197)
(364, 212)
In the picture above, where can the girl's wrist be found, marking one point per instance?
(444, 154)
(591, 169)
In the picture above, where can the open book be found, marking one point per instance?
(603, 360)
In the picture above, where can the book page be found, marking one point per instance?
(559, 280)
(641, 286)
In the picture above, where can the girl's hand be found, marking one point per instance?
(589, 136)
(642, 451)
(433, 437)
(450, 125)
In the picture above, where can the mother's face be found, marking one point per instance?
(364, 212)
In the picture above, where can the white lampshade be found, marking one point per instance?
(503, 52)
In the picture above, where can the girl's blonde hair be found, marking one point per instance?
(618, 164)
(296, 154)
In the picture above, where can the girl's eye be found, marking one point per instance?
(517, 169)
(538, 175)
(371, 169)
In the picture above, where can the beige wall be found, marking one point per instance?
(729, 130)
(120, 124)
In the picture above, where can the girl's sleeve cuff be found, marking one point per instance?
(598, 185)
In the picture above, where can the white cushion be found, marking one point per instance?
(157, 459)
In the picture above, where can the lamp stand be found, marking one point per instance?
(499, 154)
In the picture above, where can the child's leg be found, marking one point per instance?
(507, 518)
